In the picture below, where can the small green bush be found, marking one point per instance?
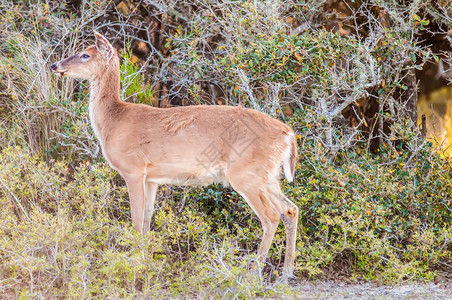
(133, 81)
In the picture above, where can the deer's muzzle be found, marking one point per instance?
(54, 68)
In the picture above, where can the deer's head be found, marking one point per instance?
(89, 63)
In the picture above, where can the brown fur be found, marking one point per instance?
(188, 145)
(175, 122)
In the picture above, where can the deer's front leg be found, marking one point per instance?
(150, 195)
(136, 186)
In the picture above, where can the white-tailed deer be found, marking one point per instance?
(194, 145)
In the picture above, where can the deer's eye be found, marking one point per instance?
(85, 56)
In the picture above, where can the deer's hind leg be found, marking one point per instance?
(252, 189)
(289, 215)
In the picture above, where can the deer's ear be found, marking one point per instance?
(103, 46)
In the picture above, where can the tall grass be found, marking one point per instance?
(43, 112)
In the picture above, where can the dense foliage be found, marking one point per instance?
(379, 214)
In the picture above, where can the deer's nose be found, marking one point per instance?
(53, 67)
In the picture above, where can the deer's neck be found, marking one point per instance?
(104, 103)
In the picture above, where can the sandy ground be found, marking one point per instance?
(338, 290)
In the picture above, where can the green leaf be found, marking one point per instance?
(416, 17)
(425, 22)
(413, 57)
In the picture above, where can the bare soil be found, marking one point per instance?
(340, 290)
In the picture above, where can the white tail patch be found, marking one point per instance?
(286, 157)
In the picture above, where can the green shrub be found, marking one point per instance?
(382, 210)
(133, 81)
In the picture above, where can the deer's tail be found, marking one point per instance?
(290, 156)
